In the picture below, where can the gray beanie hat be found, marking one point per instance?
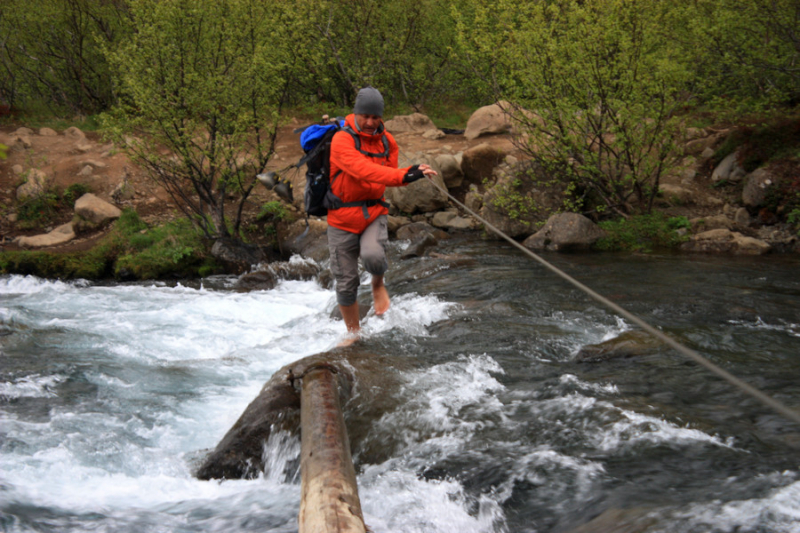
(369, 102)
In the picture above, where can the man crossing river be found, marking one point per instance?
(364, 158)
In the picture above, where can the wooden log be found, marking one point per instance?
(329, 493)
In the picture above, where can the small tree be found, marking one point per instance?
(202, 83)
(592, 87)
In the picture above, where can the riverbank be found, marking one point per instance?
(710, 203)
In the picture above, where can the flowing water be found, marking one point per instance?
(111, 394)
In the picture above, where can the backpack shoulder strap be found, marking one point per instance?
(357, 140)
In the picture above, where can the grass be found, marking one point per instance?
(643, 233)
(132, 250)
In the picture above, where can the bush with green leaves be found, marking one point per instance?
(52, 53)
(643, 233)
(205, 79)
(592, 87)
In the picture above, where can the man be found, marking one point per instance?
(363, 163)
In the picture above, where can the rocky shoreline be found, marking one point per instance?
(723, 204)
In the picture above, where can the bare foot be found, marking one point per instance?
(380, 299)
(348, 340)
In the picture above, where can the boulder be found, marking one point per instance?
(757, 185)
(742, 218)
(725, 241)
(236, 255)
(414, 123)
(675, 194)
(450, 170)
(565, 232)
(240, 453)
(474, 201)
(312, 244)
(48, 132)
(441, 218)
(419, 246)
(413, 231)
(522, 198)
(266, 278)
(395, 223)
(700, 225)
(434, 134)
(419, 197)
(22, 132)
(60, 235)
(728, 169)
(628, 344)
(75, 134)
(96, 210)
(479, 162)
(488, 120)
(35, 185)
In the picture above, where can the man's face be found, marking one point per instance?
(368, 123)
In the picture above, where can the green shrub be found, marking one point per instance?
(643, 233)
(73, 192)
(37, 211)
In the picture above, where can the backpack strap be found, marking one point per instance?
(334, 202)
(357, 140)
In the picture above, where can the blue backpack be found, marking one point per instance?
(316, 143)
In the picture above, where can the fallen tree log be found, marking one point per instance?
(240, 453)
(329, 492)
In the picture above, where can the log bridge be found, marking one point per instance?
(307, 394)
(329, 493)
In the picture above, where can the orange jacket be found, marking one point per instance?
(362, 177)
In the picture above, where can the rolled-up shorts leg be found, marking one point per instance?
(344, 249)
(373, 246)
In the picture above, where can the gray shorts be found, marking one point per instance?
(345, 249)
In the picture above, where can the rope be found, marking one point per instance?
(778, 406)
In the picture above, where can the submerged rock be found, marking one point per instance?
(627, 344)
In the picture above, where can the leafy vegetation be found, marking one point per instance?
(643, 233)
(48, 206)
(132, 250)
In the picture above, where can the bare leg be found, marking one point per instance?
(380, 296)
(352, 321)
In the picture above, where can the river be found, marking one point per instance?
(111, 394)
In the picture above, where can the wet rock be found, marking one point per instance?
(618, 521)
(266, 278)
(419, 246)
(725, 241)
(237, 256)
(627, 344)
(411, 232)
(277, 407)
(565, 232)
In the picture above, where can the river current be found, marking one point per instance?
(111, 394)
